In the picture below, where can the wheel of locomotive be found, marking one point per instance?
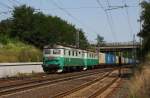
(66, 69)
(92, 67)
(89, 67)
(74, 68)
(69, 69)
(78, 68)
(46, 70)
(81, 68)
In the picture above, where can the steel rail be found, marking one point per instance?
(80, 87)
(100, 91)
(33, 84)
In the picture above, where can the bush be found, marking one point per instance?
(29, 55)
(16, 51)
(140, 83)
(4, 39)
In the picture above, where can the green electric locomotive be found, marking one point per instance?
(59, 58)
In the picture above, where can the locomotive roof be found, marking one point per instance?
(59, 47)
(65, 47)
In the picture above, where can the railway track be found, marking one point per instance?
(10, 83)
(90, 89)
(4, 90)
(100, 91)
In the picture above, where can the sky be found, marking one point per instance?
(103, 17)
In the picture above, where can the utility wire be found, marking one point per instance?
(140, 11)
(11, 1)
(5, 12)
(64, 10)
(74, 8)
(4, 5)
(112, 22)
(8, 7)
(86, 7)
(107, 16)
(17, 2)
(69, 14)
(128, 18)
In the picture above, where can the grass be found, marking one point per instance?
(140, 83)
(12, 50)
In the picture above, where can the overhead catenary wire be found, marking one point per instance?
(72, 16)
(111, 20)
(85, 7)
(8, 7)
(17, 2)
(108, 19)
(5, 12)
(5, 5)
(140, 11)
(13, 3)
(128, 17)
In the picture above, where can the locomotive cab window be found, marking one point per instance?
(47, 51)
(69, 53)
(72, 53)
(64, 52)
(56, 51)
(82, 54)
(76, 53)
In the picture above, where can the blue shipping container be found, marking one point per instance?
(110, 59)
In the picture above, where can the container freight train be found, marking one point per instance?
(60, 58)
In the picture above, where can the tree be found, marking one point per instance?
(83, 40)
(145, 32)
(100, 40)
(22, 22)
(5, 27)
(39, 29)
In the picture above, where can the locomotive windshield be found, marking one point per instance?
(52, 51)
(47, 51)
(56, 51)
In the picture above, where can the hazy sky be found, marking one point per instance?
(116, 25)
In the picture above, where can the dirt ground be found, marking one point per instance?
(122, 91)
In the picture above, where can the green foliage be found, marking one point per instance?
(100, 40)
(28, 28)
(145, 32)
(5, 27)
(13, 50)
(32, 55)
(39, 29)
(4, 39)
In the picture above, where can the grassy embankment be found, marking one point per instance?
(13, 50)
(140, 83)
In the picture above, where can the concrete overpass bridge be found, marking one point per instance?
(127, 49)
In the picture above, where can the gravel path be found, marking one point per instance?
(123, 89)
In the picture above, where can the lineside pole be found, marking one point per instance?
(77, 39)
(120, 65)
